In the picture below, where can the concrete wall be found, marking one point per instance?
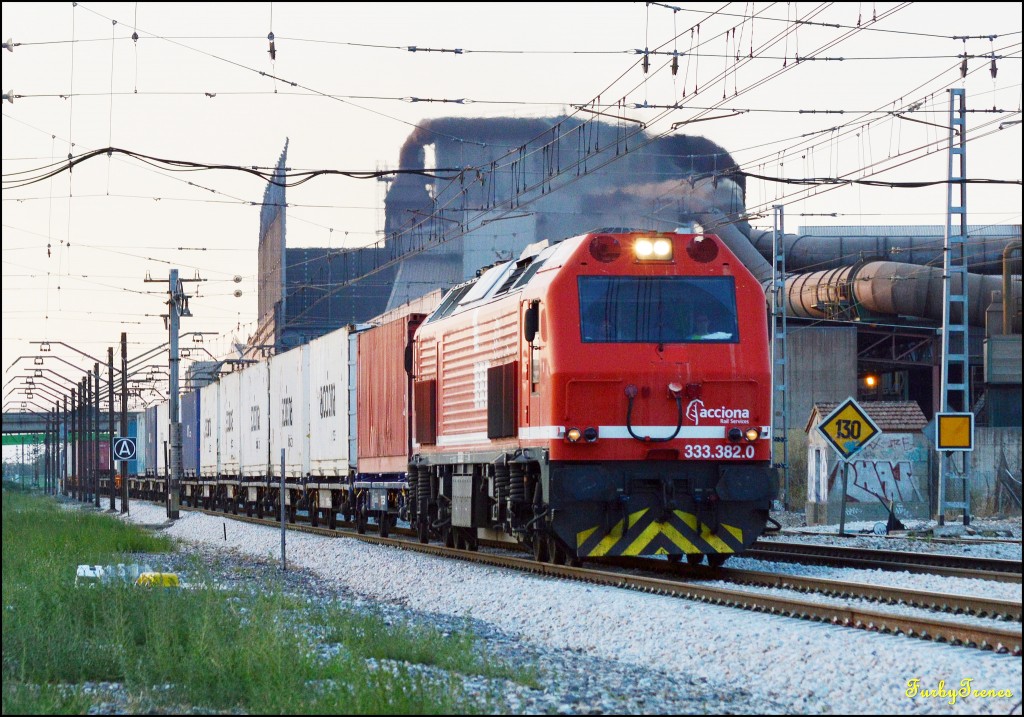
(895, 466)
(822, 366)
(994, 448)
(991, 446)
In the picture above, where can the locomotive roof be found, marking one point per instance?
(499, 279)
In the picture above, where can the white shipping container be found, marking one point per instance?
(141, 457)
(289, 412)
(163, 439)
(254, 400)
(230, 423)
(209, 430)
(329, 437)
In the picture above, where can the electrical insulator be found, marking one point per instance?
(992, 69)
(647, 62)
(675, 65)
(272, 50)
(963, 68)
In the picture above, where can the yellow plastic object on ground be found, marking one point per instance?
(158, 580)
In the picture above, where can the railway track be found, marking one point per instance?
(974, 540)
(681, 583)
(937, 602)
(852, 557)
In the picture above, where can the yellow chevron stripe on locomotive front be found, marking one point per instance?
(640, 533)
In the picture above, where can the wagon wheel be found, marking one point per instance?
(674, 558)
(332, 519)
(314, 510)
(383, 519)
(694, 558)
(472, 541)
(360, 521)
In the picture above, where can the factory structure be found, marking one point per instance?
(863, 305)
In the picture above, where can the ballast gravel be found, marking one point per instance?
(602, 650)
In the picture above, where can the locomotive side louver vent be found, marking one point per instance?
(425, 398)
(502, 395)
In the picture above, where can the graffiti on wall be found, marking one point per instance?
(893, 468)
(884, 481)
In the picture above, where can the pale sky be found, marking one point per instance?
(198, 85)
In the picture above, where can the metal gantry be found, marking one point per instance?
(956, 381)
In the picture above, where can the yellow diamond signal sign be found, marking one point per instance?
(848, 428)
(954, 431)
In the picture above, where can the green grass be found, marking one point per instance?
(365, 637)
(219, 650)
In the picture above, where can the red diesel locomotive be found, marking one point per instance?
(606, 395)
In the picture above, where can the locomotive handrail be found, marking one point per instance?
(630, 395)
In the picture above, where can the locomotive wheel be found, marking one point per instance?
(448, 537)
(556, 553)
(472, 542)
(716, 560)
(423, 531)
(540, 549)
(383, 519)
(694, 558)
(674, 558)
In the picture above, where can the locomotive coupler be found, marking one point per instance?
(706, 502)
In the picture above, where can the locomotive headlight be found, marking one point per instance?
(573, 435)
(590, 434)
(752, 434)
(662, 249)
(735, 434)
(652, 249)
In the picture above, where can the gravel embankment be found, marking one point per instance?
(604, 650)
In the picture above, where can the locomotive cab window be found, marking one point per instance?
(658, 309)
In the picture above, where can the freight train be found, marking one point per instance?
(604, 395)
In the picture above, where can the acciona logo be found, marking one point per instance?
(696, 410)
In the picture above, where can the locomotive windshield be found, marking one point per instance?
(658, 309)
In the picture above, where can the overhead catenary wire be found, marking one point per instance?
(290, 205)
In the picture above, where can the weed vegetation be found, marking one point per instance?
(202, 646)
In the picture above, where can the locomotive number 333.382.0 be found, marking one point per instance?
(719, 451)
